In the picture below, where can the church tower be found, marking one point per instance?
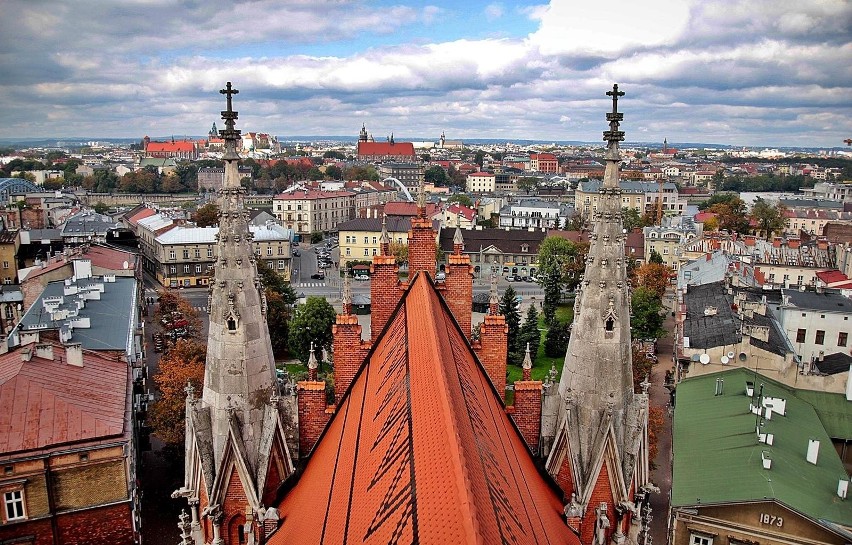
(362, 137)
(236, 453)
(599, 452)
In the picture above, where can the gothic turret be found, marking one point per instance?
(362, 136)
(236, 449)
(600, 443)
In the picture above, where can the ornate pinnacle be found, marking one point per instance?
(493, 300)
(458, 240)
(347, 294)
(190, 391)
(312, 364)
(230, 134)
(613, 135)
(421, 198)
(384, 239)
(527, 365)
(184, 526)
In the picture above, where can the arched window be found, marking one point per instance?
(232, 324)
(610, 323)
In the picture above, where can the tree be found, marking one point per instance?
(656, 423)
(653, 276)
(333, 154)
(731, 215)
(718, 198)
(437, 176)
(646, 321)
(334, 172)
(769, 218)
(479, 158)
(556, 260)
(170, 302)
(311, 323)
(655, 257)
(400, 251)
(529, 334)
(556, 340)
(181, 365)
(101, 207)
(274, 282)
(642, 366)
(509, 309)
(528, 183)
(280, 298)
(462, 199)
(631, 218)
(207, 215)
(367, 172)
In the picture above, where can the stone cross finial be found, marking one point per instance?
(493, 300)
(312, 364)
(347, 293)
(613, 135)
(230, 92)
(527, 365)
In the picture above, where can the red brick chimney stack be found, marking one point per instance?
(421, 239)
(527, 409)
(459, 284)
(385, 290)
(492, 348)
(349, 349)
(313, 414)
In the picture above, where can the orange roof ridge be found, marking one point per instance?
(421, 449)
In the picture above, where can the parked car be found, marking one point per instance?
(511, 278)
(296, 253)
(319, 275)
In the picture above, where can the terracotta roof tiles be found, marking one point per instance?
(421, 450)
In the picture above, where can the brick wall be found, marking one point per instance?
(527, 413)
(233, 509)
(384, 292)
(492, 350)
(92, 484)
(421, 247)
(565, 479)
(602, 493)
(112, 524)
(40, 529)
(312, 414)
(459, 294)
(349, 352)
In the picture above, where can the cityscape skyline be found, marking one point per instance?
(763, 74)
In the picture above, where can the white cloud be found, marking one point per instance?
(493, 11)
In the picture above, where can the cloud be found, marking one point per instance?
(763, 72)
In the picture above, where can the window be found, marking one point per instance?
(171, 254)
(173, 269)
(281, 250)
(198, 269)
(5, 264)
(197, 253)
(11, 313)
(269, 250)
(347, 252)
(186, 254)
(14, 502)
(374, 251)
(820, 337)
(699, 539)
(366, 252)
(270, 264)
(209, 252)
(842, 337)
(186, 269)
(800, 335)
(366, 240)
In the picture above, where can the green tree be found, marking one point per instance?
(479, 158)
(367, 172)
(527, 184)
(438, 176)
(655, 257)
(557, 259)
(274, 282)
(333, 154)
(769, 218)
(528, 333)
(101, 207)
(556, 340)
(334, 172)
(207, 215)
(462, 199)
(311, 322)
(646, 309)
(631, 218)
(732, 215)
(718, 198)
(509, 308)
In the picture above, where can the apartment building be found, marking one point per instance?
(307, 211)
(637, 195)
(535, 213)
(481, 182)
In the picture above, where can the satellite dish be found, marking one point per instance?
(725, 360)
(694, 357)
(704, 358)
(743, 356)
(731, 355)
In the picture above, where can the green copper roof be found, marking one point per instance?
(833, 410)
(717, 458)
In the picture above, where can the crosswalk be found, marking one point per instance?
(310, 285)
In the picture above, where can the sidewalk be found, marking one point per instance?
(659, 397)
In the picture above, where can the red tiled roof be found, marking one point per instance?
(146, 212)
(467, 213)
(480, 174)
(180, 145)
(45, 403)
(421, 450)
(312, 195)
(402, 208)
(381, 149)
(701, 217)
(831, 276)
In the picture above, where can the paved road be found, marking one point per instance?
(659, 397)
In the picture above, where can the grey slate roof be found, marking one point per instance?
(111, 317)
(832, 364)
(508, 242)
(828, 301)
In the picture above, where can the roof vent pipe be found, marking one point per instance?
(813, 451)
(842, 488)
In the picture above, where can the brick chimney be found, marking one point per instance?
(421, 239)
(459, 284)
(492, 348)
(349, 349)
(527, 409)
(313, 415)
(385, 290)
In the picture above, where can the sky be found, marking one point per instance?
(752, 73)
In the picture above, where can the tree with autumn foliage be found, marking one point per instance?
(182, 365)
(642, 365)
(653, 276)
(170, 302)
(207, 215)
(656, 423)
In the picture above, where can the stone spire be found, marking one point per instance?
(527, 364)
(598, 406)
(237, 419)
(312, 364)
(346, 297)
(458, 241)
(493, 299)
(362, 137)
(421, 198)
(384, 238)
